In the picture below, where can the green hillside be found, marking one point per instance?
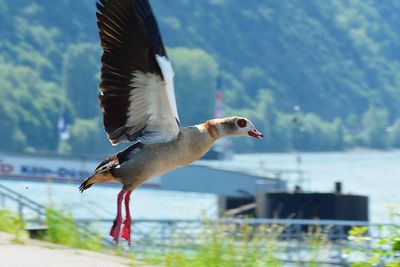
(337, 62)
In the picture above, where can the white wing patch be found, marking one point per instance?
(168, 74)
(150, 107)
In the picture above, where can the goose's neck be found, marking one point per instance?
(193, 143)
(214, 129)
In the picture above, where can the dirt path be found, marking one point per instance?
(35, 253)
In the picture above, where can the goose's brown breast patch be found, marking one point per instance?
(211, 128)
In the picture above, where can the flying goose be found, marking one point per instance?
(138, 104)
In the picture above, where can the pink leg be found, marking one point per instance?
(126, 232)
(116, 228)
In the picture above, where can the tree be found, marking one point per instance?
(88, 136)
(30, 108)
(12, 139)
(80, 78)
(394, 134)
(195, 83)
(375, 123)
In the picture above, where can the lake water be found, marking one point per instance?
(376, 174)
(373, 173)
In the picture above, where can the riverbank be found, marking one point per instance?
(35, 253)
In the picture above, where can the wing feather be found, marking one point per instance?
(136, 89)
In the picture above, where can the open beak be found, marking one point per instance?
(256, 134)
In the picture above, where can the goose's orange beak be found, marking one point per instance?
(256, 133)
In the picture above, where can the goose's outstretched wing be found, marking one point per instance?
(136, 89)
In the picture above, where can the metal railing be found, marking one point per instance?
(294, 238)
(25, 207)
(291, 235)
(291, 228)
(34, 214)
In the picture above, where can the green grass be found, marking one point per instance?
(383, 252)
(221, 245)
(10, 223)
(233, 246)
(63, 230)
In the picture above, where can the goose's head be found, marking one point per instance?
(232, 126)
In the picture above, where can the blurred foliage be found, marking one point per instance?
(88, 129)
(383, 252)
(80, 78)
(10, 223)
(63, 230)
(196, 68)
(238, 245)
(337, 60)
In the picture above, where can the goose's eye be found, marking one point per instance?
(242, 123)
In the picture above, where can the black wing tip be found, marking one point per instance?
(100, 6)
(149, 21)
